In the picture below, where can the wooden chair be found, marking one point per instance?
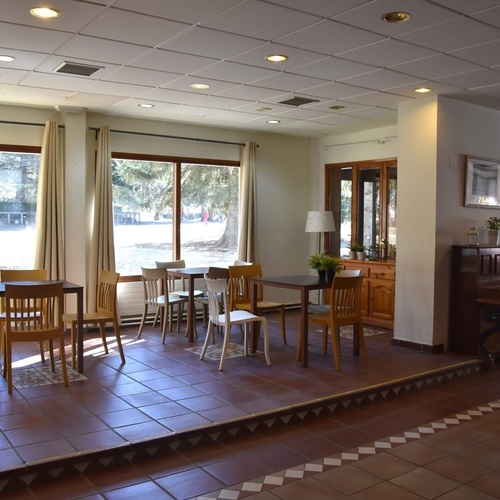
(156, 294)
(218, 288)
(345, 309)
(33, 313)
(177, 264)
(20, 275)
(239, 292)
(106, 313)
(216, 273)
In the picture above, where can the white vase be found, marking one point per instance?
(493, 238)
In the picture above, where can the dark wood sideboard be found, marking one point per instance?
(475, 276)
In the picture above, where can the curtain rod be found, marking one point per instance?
(31, 124)
(96, 129)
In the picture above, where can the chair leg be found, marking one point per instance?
(103, 338)
(210, 333)
(359, 333)
(167, 315)
(224, 349)
(143, 320)
(325, 339)
(8, 364)
(282, 318)
(336, 347)
(266, 340)
(51, 355)
(119, 340)
(63, 361)
(73, 344)
(42, 352)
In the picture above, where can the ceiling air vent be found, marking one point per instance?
(72, 68)
(298, 101)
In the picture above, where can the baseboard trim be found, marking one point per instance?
(417, 346)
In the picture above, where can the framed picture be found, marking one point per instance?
(482, 182)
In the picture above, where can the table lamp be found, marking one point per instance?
(320, 222)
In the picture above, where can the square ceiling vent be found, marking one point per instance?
(298, 101)
(72, 68)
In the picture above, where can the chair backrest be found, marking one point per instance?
(348, 272)
(21, 275)
(217, 290)
(239, 284)
(173, 264)
(216, 273)
(242, 263)
(155, 285)
(106, 293)
(345, 307)
(34, 311)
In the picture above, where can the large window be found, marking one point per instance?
(167, 209)
(363, 198)
(19, 171)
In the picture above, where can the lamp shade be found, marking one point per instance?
(320, 222)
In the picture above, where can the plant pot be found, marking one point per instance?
(352, 255)
(330, 275)
(493, 238)
(361, 255)
(322, 274)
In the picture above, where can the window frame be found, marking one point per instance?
(333, 239)
(177, 162)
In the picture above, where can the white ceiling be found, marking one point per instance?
(340, 53)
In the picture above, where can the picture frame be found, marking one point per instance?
(482, 182)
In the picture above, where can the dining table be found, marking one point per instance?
(190, 274)
(68, 288)
(303, 283)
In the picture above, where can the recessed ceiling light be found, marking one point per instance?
(423, 90)
(337, 107)
(396, 17)
(276, 58)
(201, 86)
(273, 121)
(7, 58)
(264, 109)
(146, 105)
(45, 12)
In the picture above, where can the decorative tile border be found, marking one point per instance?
(302, 471)
(84, 463)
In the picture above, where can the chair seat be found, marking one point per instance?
(185, 293)
(172, 299)
(88, 317)
(261, 305)
(318, 309)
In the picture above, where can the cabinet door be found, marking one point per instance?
(381, 298)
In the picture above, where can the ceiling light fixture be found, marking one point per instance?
(200, 86)
(337, 107)
(276, 58)
(423, 90)
(45, 12)
(273, 121)
(396, 17)
(264, 109)
(5, 58)
(146, 105)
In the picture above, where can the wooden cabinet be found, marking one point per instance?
(378, 291)
(472, 267)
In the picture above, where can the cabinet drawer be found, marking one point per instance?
(383, 274)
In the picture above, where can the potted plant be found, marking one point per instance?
(356, 248)
(493, 226)
(332, 265)
(325, 264)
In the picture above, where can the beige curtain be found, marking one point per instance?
(102, 250)
(248, 244)
(49, 252)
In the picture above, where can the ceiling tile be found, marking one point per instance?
(381, 79)
(333, 68)
(24, 59)
(473, 79)
(436, 67)
(183, 84)
(234, 72)
(136, 76)
(59, 82)
(323, 8)
(120, 89)
(260, 20)
(12, 75)
(466, 6)
(288, 82)
(485, 54)
(329, 38)
(210, 43)
(31, 39)
(159, 59)
(452, 35)
(122, 26)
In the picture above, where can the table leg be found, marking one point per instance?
(255, 326)
(79, 326)
(304, 302)
(190, 311)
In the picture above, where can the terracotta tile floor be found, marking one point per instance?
(423, 444)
